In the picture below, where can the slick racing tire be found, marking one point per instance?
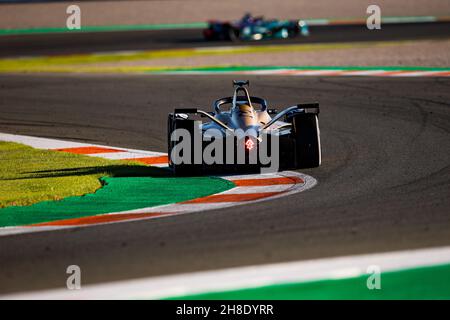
(307, 140)
(293, 32)
(233, 35)
(183, 169)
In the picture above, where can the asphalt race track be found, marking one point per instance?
(384, 183)
(70, 43)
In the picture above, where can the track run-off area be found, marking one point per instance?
(383, 184)
(98, 39)
(137, 198)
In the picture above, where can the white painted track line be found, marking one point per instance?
(40, 143)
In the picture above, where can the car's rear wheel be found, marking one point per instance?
(182, 169)
(307, 140)
(233, 34)
(208, 34)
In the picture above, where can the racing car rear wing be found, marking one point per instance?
(229, 100)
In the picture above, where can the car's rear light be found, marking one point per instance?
(249, 144)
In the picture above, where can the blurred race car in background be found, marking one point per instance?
(255, 28)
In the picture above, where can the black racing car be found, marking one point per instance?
(243, 136)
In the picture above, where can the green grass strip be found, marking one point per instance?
(420, 283)
(28, 175)
(137, 27)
